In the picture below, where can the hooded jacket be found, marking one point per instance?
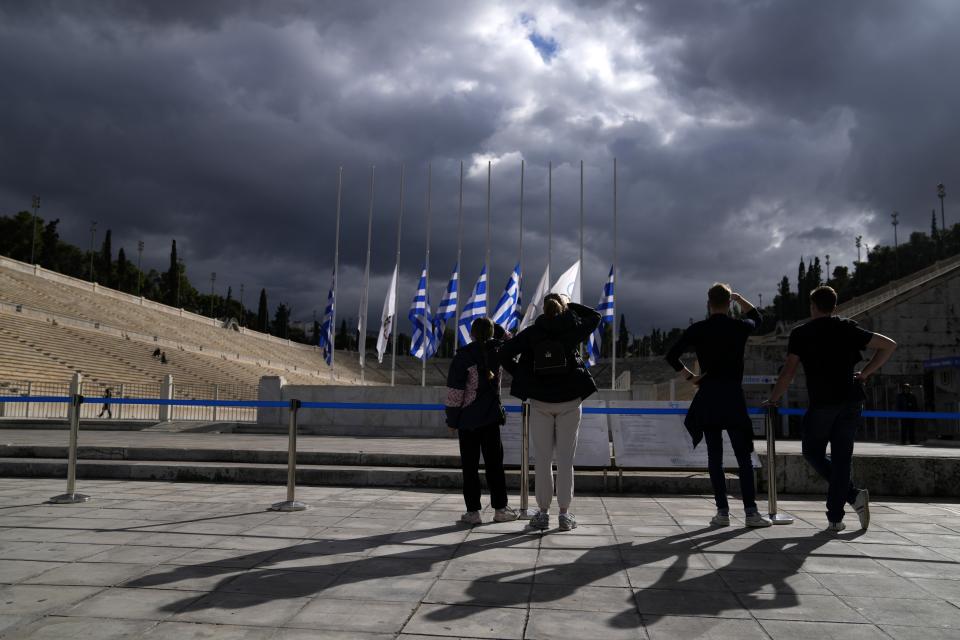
(571, 329)
(473, 396)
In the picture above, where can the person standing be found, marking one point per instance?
(829, 349)
(719, 404)
(106, 404)
(547, 370)
(475, 412)
(906, 401)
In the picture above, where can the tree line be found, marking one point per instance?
(171, 286)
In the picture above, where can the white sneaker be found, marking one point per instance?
(505, 515)
(835, 527)
(758, 520)
(540, 520)
(720, 520)
(567, 521)
(862, 506)
(471, 518)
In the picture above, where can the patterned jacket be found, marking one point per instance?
(473, 396)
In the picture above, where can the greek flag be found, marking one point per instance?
(448, 306)
(507, 312)
(606, 309)
(476, 307)
(423, 344)
(326, 329)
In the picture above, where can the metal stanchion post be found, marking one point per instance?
(71, 496)
(776, 518)
(291, 504)
(524, 512)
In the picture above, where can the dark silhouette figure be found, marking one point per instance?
(106, 404)
(906, 401)
(163, 357)
(156, 353)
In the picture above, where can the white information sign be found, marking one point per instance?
(660, 440)
(593, 442)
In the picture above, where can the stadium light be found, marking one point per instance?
(942, 193)
(213, 280)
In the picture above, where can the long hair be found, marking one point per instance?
(482, 332)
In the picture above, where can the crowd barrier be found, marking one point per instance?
(76, 401)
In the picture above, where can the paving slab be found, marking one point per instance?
(180, 560)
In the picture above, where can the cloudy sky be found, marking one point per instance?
(747, 133)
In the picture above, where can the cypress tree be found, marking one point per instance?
(122, 268)
(50, 246)
(263, 317)
(106, 261)
(173, 276)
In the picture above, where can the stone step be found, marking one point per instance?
(232, 456)
(661, 482)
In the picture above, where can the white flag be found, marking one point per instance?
(536, 302)
(387, 317)
(569, 283)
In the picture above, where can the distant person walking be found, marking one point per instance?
(550, 374)
(156, 352)
(719, 404)
(906, 401)
(163, 357)
(829, 348)
(106, 404)
(474, 410)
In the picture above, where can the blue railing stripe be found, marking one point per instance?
(413, 406)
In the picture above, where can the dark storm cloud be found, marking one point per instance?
(747, 133)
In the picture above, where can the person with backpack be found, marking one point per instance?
(547, 370)
(719, 405)
(474, 410)
(829, 348)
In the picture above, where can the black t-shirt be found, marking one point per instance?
(719, 342)
(829, 348)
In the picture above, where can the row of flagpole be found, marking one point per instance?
(428, 328)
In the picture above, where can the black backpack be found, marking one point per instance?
(550, 358)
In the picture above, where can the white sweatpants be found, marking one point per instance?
(553, 429)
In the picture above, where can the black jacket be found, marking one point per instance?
(473, 397)
(570, 329)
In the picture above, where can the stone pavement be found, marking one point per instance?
(163, 560)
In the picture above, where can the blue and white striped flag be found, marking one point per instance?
(606, 309)
(326, 329)
(507, 311)
(448, 305)
(423, 344)
(476, 307)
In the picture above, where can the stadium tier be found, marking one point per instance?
(52, 325)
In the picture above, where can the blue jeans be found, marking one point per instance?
(836, 425)
(741, 449)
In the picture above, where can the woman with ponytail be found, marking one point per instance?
(474, 410)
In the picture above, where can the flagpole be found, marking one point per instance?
(613, 335)
(365, 297)
(426, 268)
(456, 324)
(396, 286)
(486, 263)
(580, 274)
(549, 217)
(336, 274)
(520, 259)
